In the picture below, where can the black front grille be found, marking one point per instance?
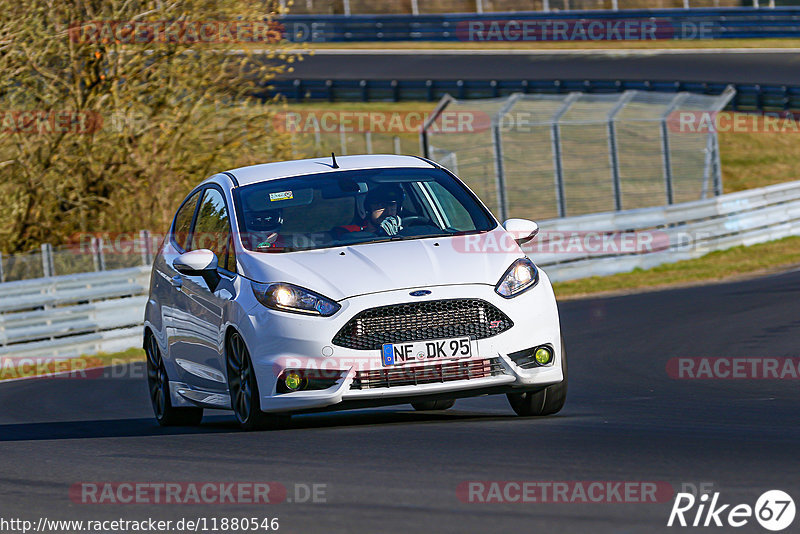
(420, 321)
(429, 374)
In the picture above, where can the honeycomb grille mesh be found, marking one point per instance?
(420, 321)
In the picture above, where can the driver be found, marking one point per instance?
(382, 206)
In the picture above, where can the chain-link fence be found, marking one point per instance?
(86, 255)
(421, 7)
(548, 156)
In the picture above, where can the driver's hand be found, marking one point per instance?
(391, 225)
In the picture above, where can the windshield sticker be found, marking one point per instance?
(283, 195)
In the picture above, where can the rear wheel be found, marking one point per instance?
(243, 388)
(158, 383)
(545, 401)
(426, 406)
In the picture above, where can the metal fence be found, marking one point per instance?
(417, 7)
(546, 156)
(93, 254)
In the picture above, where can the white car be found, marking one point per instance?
(315, 285)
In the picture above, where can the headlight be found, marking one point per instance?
(290, 298)
(521, 276)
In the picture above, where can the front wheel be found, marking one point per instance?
(243, 388)
(158, 383)
(545, 401)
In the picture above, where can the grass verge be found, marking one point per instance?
(737, 262)
(81, 367)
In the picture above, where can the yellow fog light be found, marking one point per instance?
(543, 355)
(293, 381)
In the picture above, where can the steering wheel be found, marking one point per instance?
(415, 220)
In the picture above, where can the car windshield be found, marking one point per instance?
(354, 207)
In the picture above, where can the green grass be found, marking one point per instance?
(721, 265)
(43, 366)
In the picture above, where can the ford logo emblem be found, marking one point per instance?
(420, 293)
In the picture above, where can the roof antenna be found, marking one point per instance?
(335, 165)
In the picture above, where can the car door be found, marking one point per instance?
(174, 304)
(199, 352)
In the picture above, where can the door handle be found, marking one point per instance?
(177, 282)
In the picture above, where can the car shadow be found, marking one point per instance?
(143, 427)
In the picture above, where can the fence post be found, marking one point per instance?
(144, 237)
(666, 155)
(555, 139)
(414, 7)
(613, 156)
(99, 255)
(708, 162)
(2, 275)
(368, 141)
(546, 5)
(685, 4)
(615, 5)
(717, 167)
(47, 260)
(347, 7)
(499, 168)
(396, 141)
(343, 140)
(423, 132)
(479, 6)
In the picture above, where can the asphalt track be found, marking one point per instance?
(395, 470)
(738, 66)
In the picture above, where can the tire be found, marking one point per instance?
(158, 385)
(426, 406)
(545, 401)
(243, 388)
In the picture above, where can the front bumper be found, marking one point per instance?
(280, 341)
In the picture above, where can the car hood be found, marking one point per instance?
(343, 272)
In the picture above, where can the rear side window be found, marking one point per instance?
(212, 229)
(183, 221)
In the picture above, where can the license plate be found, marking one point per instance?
(393, 354)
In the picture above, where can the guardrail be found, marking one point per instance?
(651, 24)
(372, 7)
(66, 316)
(677, 232)
(749, 97)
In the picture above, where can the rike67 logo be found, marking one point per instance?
(774, 510)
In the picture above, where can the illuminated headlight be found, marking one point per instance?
(290, 298)
(521, 276)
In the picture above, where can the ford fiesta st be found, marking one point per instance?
(315, 285)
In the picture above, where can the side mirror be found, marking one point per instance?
(523, 230)
(201, 262)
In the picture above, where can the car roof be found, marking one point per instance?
(285, 169)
